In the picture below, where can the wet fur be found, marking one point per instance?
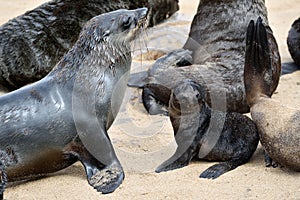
(31, 44)
(201, 133)
(63, 118)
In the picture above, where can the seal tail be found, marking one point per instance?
(258, 73)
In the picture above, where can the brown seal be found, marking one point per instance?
(63, 118)
(213, 57)
(278, 125)
(216, 59)
(31, 44)
(202, 133)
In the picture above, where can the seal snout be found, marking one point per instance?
(142, 12)
(186, 97)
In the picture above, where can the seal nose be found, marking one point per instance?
(142, 12)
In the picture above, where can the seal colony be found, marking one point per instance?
(213, 57)
(63, 118)
(293, 41)
(216, 60)
(31, 44)
(208, 135)
(278, 125)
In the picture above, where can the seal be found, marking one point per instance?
(64, 117)
(214, 57)
(278, 125)
(204, 134)
(31, 44)
(293, 41)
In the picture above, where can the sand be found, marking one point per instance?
(142, 142)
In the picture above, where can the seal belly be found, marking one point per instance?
(46, 161)
(32, 137)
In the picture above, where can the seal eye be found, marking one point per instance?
(127, 22)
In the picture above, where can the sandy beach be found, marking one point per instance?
(142, 142)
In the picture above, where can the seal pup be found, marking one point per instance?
(278, 125)
(31, 44)
(216, 44)
(293, 41)
(202, 133)
(64, 117)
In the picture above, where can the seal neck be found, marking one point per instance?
(93, 55)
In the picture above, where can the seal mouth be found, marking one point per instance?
(142, 17)
(137, 23)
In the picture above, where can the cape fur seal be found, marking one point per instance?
(278, 125)
(293, 41)
(31, 44)
(213, 57)
(206, 134)
(63, 118)
(216, 60)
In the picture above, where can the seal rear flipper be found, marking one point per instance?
(269, 162)
(258, 74)
(217, 170)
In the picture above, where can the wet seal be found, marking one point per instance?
(63, 118)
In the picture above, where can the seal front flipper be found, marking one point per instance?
(108, 179)
(156, 94)
(138, 80)
(150, 102)
(177, 58)
(111, 175)
(107, 174)
(187, 142)
(178, 160)
(104, 178)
